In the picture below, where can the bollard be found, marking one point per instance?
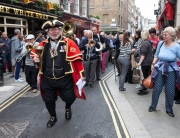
(1, 71)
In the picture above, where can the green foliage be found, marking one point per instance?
(42, 4)
(95, 16)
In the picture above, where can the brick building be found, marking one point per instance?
(125, 14)
(110, 13)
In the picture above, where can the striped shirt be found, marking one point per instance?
(137, 46)
(125, 50)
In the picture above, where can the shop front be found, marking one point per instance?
(26, 19)
(81, 23)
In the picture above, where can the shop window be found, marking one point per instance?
(1, 20)
(13, 21)
(24, 31)
(76, 7)
(24, 22)
(1, 30)
(10, 31)
(66, 5)
(84, 8)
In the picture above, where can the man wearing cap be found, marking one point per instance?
(61, 69)
(31, 71)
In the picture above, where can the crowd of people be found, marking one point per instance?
(148, 49)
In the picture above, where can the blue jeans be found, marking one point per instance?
(6, 57)
(18, 68)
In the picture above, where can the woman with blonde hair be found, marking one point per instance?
(146, 58)
(165, 70)
(177, 34)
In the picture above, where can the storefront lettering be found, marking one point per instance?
(15, 11)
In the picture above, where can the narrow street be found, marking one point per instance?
(94, 118)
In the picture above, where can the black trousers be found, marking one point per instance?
(146, 72)
(63, 85)
(31, 73)
(23, 63)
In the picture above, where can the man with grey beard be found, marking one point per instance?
(61, 69)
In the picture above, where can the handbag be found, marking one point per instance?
(136, 77)
(148, 83)
(133, 62)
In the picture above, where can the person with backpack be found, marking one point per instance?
(165, 70)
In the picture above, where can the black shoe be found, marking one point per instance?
(151, 109)
(68, 114)
(51, 122)
(85, 85)
(118, 75)
(143, 92)
(177, 102)
(171, 114)
(98, 79)
(91, 85)
(12, 76)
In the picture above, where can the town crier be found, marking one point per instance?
(61, 69)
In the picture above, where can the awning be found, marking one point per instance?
(159, 23)
(169, 11)
(162, 13)
(111, 29)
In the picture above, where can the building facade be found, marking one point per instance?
(125, 14)
(132, 16)
(28, 17)
(110, 13)
(78, 13)
(167, 13)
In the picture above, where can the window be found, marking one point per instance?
(8, 24)
(105, 19)
(13, 21)
(119, 3)
(1, 20)
(84, 8)
(105, 3)
(66, 5)
(76, 7)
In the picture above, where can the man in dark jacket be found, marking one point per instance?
(6, 53)
(16, 48)
(90, 57)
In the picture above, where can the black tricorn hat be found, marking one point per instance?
(51, 24)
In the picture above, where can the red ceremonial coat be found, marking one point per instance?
(74, 56)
